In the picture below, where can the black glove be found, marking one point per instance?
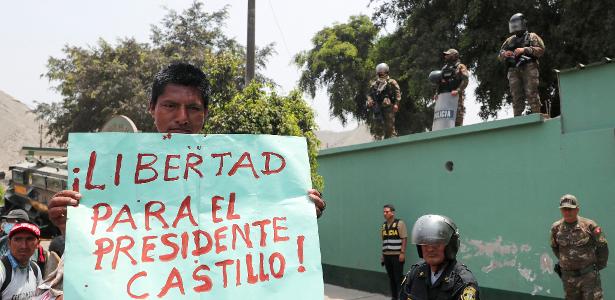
(558, 270)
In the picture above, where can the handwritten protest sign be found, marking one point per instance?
(191, 216)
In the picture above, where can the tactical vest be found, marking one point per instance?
(519, 42)
(451, 78)
(386, 92)
(391, 241)
(450, 285)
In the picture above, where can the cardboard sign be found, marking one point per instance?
(191, 217)
(445, 111)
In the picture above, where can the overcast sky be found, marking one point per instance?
(32, 31)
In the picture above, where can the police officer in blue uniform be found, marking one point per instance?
(439, 276)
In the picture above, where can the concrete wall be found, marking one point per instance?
(503, 190)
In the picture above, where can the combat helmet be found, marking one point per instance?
(517, 24)
(382, 68)
(436, 229)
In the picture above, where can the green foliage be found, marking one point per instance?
(573, 31)
(343, 59)
(257, 111)
(105, 80)
(340, 61)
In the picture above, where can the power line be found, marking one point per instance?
(275, 19)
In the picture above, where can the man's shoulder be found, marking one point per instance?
(418, 269)
(509, 39)
(587, 223)
(556, 224)
(465, 276)
(393, 82)
(534, 35)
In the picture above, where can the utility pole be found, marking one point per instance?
(251, 33)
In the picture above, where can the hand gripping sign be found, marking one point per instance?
(191, 217)
(445, 111)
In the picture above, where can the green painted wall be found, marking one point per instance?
(503, 191)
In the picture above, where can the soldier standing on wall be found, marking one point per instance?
(520, 52)
(383, 100)
(439, 276)
(582, 251)
(455, 78)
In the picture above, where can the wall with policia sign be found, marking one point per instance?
(500, 181)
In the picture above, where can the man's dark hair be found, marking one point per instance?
(389, 206)
(182, 74)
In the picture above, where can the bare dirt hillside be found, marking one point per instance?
(331, 139)
(18, 128)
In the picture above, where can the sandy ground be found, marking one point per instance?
(18, 128)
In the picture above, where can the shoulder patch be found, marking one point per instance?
(469, 293)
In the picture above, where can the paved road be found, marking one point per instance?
(333, 292)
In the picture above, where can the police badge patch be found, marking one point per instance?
(469, 293)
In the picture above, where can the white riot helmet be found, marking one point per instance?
(382, 68)
(436, 229)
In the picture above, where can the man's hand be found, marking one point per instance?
(58, 204)
(395, 108)
(454, 92)
(382, 260)
(519, 51)
(370, 103)
(402, 257)
(508, 53)
(386, 102)
(318, 202)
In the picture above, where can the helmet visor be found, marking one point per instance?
(516, 25)
(431, 230)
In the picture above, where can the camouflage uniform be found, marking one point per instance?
(384, 93)
(523, 77)
(582, 251)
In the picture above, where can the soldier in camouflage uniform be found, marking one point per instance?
(383, 100)
(455, 77)
(521, 52)
(582, 251)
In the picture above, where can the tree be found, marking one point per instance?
(257, 111)
(340, 61)
(574, 32)
(104, 80)
(101, 81)
(343, 58)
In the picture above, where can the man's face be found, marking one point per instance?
(569, 214)
(382, 74)
(22, 246)
(433, 254)
(388, 213)
(179, 109)
(449, 57)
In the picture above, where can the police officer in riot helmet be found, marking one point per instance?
(439, 275)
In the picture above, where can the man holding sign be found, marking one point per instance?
(194, 215)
